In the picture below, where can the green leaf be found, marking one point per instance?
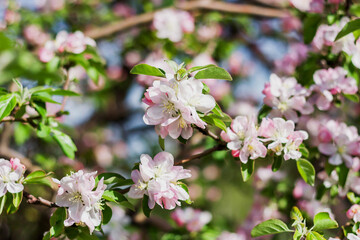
(263, 112)
(352, 97)
(6, 43)
(213, 73)
(342, 172)
(306, 170)
(43, 97)
(106, 214)
(38, 177)
(62, 92)
(314, 236)
(57, 222)
(193, 69)
(7, 104)
(348, 28)
(65, 142)
(311, 24)
(272, 226)
(247, 169)
(353, 198)
(145, 206)
(277, 163)
(17, 198)
(162, 143)
(146, 69)
(2, 204)
(93, 74)
(296, 215)
(323, 221)
(206, 89)
(116, 197)
(214, 121)
(114, 179)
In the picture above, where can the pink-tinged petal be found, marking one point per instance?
(335, 159)
(327, 148)
(291, 115)
(323, 102)
(3, 189)
(225, 136)
(235, 153)
(187, 132)
(146, 167)
(165, 159)
(135, 192)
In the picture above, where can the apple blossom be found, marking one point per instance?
(172, 24)
(193, 219)
(354, 213)
(316, 6)
(173, 106)
(82, 202)
(297, 53)
(277, 132)
(242, 139)
(286, 97)
(231, 236)
(352, 236)
(158, 179)
(11, 175)
(329, 82)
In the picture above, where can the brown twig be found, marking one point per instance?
(208, 133)
(130, 22)
(218, 147)
(38, 200)
(30, 119)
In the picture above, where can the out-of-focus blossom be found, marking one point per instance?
(296, 55)
(172, 24)
(286, 97)
(11, 175)
(329, 82)
(316, 6)
(74, 43)
(231, 236)
(238, 65)
(213, 194)
(211, 172)
(354, 213)
(34, 35)
(123, 10)
(193, 219)
(76, 192)
(291, 23)
(132, 58)
(158, 178)
(208, 32)
(243, 108)
(242, 139)
(103, 155)
(114, 72)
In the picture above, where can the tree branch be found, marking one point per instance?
(130, 22)
(38, 201)
(218, 147)
(207, 132)
(30, 119)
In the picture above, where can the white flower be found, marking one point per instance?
(83, 203)
(11, 174)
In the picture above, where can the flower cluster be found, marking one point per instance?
(339, 141)
(73, 43)
(173, 105)
(354, 214)
(286, 97)
(242, 139)
(246, 140)
(172, 24)
(193, 219)
(297, 53)
(11, 175)
(76, 192)
(158, 179)
(329, 82)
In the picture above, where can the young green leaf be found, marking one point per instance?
(296, 215)
(145, 206)
(323, 221)
(311, 24)
(17, 198)
(38, 177)
(272, 226)
(277, 163)
(352, 97)
(162, 143)
(314, 236)
(194, 69)
(306, 170)
(348, 28)
(263, 112)
(57, 222)
(213, 73)
(116, 197)
(106, 214)
(145, 69)
(247, 169)
(7, 104)
(65, 142)
(2, 203)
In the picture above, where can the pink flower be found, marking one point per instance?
(174, 105)
(297, 53)
(47, 52)
(290, 23)
(242, 139)
(11, 176)
(74, 42)
(278, 132)
(309, 5)
(329, 82)
(158, 178)
(354, 213)
(193, 219)
(286, 96)
(83, 203)
(172, 24)
(352, 236)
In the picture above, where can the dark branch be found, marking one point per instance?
(38, 200)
